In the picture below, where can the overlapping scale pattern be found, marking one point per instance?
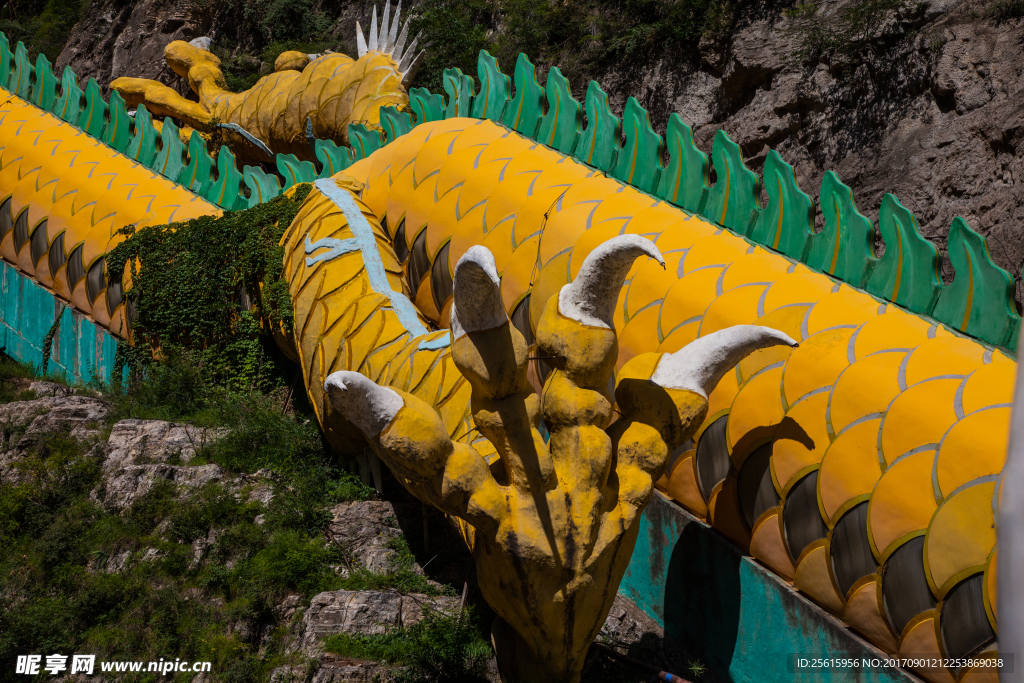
(64, 196)
(831, 462)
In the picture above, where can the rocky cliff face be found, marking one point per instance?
(935, 118)
(924, 102)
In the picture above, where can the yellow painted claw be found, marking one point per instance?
(553, 523)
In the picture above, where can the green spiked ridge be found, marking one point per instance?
(979, 302)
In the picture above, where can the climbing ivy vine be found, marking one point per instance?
(211, 287)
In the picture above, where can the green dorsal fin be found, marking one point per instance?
(196, 174)
(6, 60)
(225, 192)
(94, 119)
(364, 141)
(294, 171)
(600, 140)
(494, 95)
(639, 161)
(845, 247)
(786, 223)
(333, 158)
(68, 106)
(262, 186)
(168, 160)
(395, 123)
(979, 301)
(560, 128)
(908, 272)
(524, 113)
(732, 201)
(684, 182)
(44, 89)
(118, 131)
(142, 147)
(459, 87)
(425, 105)
(20, 79)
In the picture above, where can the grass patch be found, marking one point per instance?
(439, 648)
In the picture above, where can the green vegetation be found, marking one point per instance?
(43, 25)
(71, 574)
(269, 27)
(1006, 10)
(858, 34)
(697, 669)
(580, 37)
(195, 299)
(14, 380)
(439, 649)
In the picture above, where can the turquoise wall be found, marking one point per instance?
(81, 349)
(743, 621)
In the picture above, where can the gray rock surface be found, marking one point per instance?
(24, 424)
(364, 613)
(139, 442)
(365, 529)
(127, 484)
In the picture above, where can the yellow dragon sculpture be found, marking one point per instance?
(861, 465)
(303, 99)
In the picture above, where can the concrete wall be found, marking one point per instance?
(80, 349)
(744, 622)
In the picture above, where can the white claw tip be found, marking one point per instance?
(699, 365)
(477, 293)
(363, 402)
(590, 298)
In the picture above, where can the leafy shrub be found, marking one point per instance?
(580, 37)
(440, 648)
(43, 25)
(851, 37)
(1006, 10)
(194, 299)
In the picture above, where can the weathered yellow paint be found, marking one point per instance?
(812, 577)
(960, 537)
(920, 640)
(767, 545)
(863, 611)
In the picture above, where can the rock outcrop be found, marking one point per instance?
(933, 114)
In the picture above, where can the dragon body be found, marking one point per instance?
(862, 465)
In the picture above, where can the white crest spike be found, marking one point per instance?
(393, 32)
(409, 74)
(373, 31)
(409, 54)
(360, 40)
(400, 45)
(476, 303)
(382, 34)
(364, 403)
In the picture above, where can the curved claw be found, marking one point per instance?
(590, 298)
(363, 402)
(477, 293)
(699, 365)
